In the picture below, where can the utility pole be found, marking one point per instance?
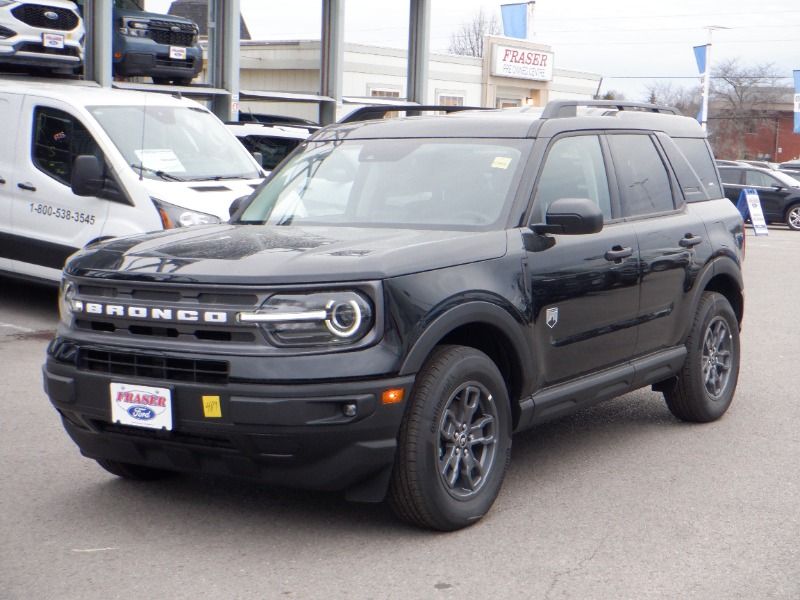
(707, 75)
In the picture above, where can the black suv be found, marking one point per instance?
(400, 296)
(779, 192)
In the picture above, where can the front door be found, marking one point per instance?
(584, 288)
(10, 106)
(52, 220)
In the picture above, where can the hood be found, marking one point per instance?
(211, 197)
(255, 254)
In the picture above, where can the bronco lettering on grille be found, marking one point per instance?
(150, 313)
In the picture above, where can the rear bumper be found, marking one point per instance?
(289, 435)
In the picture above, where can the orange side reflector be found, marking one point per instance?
(392, 396)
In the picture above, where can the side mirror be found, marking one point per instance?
(571, 216)
(236, 205)
(87, 176)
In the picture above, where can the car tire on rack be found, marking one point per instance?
(132, 471)
(704, 388)
(793, 217)
(454, 442)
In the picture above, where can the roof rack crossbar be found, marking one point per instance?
(569, 108)
(377, 111)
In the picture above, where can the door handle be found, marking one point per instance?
(2, 181)
(690, 240)
(26, 186)
(617, 253)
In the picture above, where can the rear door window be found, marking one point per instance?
(642, 176)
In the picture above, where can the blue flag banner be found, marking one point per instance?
(700, 57)
(796, 101)
(515, 20)
(700, 53)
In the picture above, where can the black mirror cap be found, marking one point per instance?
(236, 205)
(87, 176)
(571, 216)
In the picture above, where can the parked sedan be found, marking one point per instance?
(779, 193)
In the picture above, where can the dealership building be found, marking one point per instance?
(512, 72)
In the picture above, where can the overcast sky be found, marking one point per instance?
(624, 41)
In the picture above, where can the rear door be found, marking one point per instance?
(672, 240)
(10, 106)
(51, 220)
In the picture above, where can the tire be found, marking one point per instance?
(132, 471)
(183, 80)
(793, 217)
(161, 80)
(704, 387)
(442, 479)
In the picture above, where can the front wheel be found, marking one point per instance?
(454, 443)
(793, 217)
(704, 387)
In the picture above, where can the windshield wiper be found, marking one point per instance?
(219, 178)
(162, 174)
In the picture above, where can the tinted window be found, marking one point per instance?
(698, 154)
(574, 168)
(273, 150)
(759, 179)
(643, 179)
(688, 179)
(732, 176)
(57, 139)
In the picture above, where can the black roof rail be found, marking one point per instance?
(379, 110)
(569, 108)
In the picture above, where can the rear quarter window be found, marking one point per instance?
(699, 156)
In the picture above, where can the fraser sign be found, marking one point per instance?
(522, 63)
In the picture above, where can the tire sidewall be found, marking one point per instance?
(712, 407)
(476, 367)
(794, 207)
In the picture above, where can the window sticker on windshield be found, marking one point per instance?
(160, 159)
(501, 162)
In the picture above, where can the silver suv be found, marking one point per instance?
(47, 33)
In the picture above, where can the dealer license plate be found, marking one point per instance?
(53, 40)
(141, 405)
(177, 52)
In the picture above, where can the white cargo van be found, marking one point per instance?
(80, 163)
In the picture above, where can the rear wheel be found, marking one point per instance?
(132, 471)
(454, 443)
(704, 388)
(793, 217)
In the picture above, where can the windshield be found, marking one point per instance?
(786, 179)
(409, 183)
(175, 143)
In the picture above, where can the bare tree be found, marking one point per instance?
(685, 99)
(743, 99)
(467, 40)
(611, 95)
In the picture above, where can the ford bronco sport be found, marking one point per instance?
(401, 295)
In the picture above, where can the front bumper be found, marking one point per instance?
(295, 435)
(31, 52)
(147, 58)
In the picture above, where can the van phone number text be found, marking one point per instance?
(61, 213)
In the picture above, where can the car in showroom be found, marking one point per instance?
(47, 34)
(778, 192)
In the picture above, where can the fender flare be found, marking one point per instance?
(464, 314)
(721, 265)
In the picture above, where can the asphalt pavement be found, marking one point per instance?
(617, 501)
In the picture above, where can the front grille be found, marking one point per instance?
(40, 49)
(162, 33)
(34, 15)
(153, 367)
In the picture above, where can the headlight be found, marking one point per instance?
(176, 216)
(67, 301)
(135, 28)
(322, 318)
